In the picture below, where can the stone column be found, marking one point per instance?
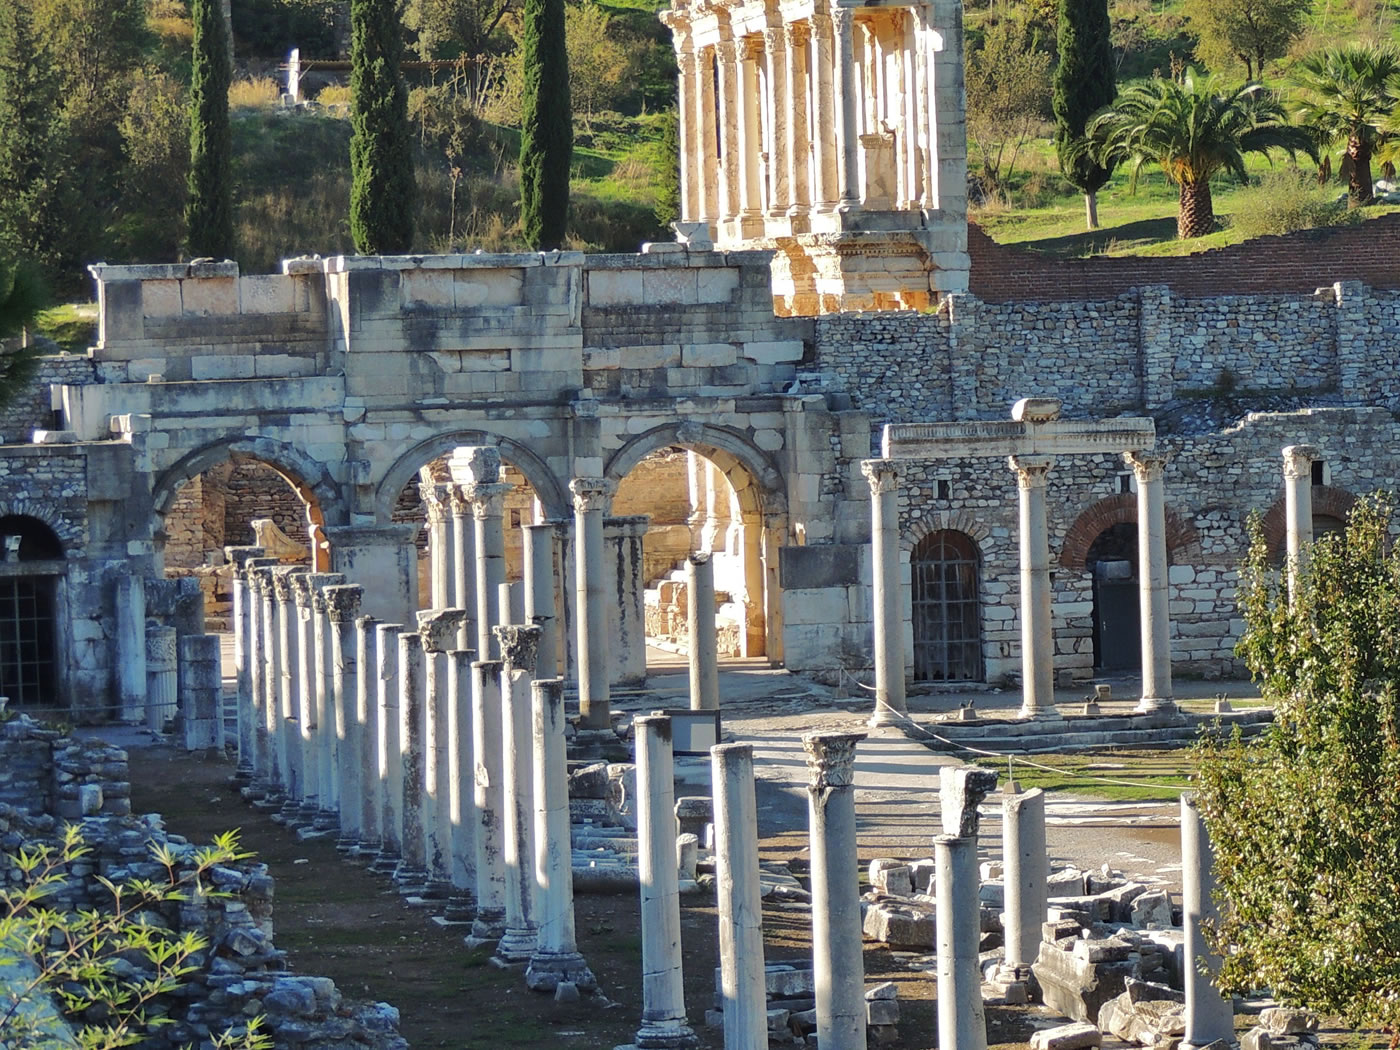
(624, 542)
(304, 713)
(890, 704)
(687, 132)
(464, 564)
(663, 987)
(750, 143)
(837, 963)
(731, 105)
(258, 583)
(703, 644)
(267, 680)
(1026, 866)
(244, 619)
(367, 734)
(162, 676)
(201, 692)
(1209, 1016)
(438, 630)
(961, 1019)
(1297, 506)
(412, 872)
(489, 798)
(462, 817)
(325, 737)
(776, 67)
(556, 956)
(383, 559)
(131, 647)
(1148, 468)
(847, 130)
(390, 757)
(824, 166)
(591, 499)
(743, 994)
(342, 608)
(517, 647)
(540, 607)
(1037, 637)
(798, 144)
(440, 561)
(708, 180)
(288, 698)
(488, 509)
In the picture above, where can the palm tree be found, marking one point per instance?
(1347, 94)
(1194, 131)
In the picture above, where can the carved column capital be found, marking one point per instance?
(1031, 471)
(1298, 460)
(843, 19)
(487, 500)
(343, 601)
(592, 494)
(1147, 466)
(798, 34)
(239, 557)
(751, 47)
(476, 464)
(300, 587)
(439, 628)
(831, 759)
(774, 39)
(316, 584)
(518, 645)
(883, 475)
(282, 578)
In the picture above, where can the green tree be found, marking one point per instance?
(1007, 94)
(1307, 847)
(209, 210)
(1247, 32)
(383, 194)
(456, 28)
(1084, 84)
(1347, 94)
(29, 135)
(1194, 130)
(546, 125)
(598, 64)
(668, 164)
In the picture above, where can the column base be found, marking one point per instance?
(348, 842)
(460, 907)
(885, 715)
(385, 862)
(516, 946)
(410, 879)
(1044, 714)
(1016, 984)
(436, 889)
(670, 1035)
(327, 820)
(1155, 705)
(488, 927)
(548, 969)
(365, 849)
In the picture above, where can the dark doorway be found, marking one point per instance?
(1113, 562)
(946, 569)
(28, 579)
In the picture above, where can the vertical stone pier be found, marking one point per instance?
(663, 987)
(131, 647)
(244, 620)
(540, 606)
(743, 989)
(1209, 1016)
(462, 818)
(704, 644)
(837, 963)
(557, 958)
(268, 680)
(1297, 506)
(201, 692)
(324, 738)
(1148, 469)
(1037, 634)
(1026, 868)
(489, 800)
(439, 630)
(412, 872)
(389, 759)
(891, 705)
(517, 647)
(367, 734)
(162, 676)
(342, 608)
(304, 675)
(592, 497)
(464, 564)
(962, 1020)
(288, 699)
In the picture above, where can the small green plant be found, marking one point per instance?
(1284, 200)
(103, 968)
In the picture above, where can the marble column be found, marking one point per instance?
(383, 559)
(304, 713)
(488, 511)
(325, 737)
(342, 608)
(441, 565)
(488, 796)
(835, 871)
(1209, 1016)
(556, 957)
(703, 642)
(743, 990)
(462, 817)
(412, 872)
(1148, 468)
(775, 55)
(463, 565)
(367, 733)
(592, 497)
(1297, 507)
(1025, 869)
(750, 143)
(131, 647)
(244, 620)
(438, 630)
(162, 676)
(709, 140)
(288, 698)
(390, 758)
(517, 647)
(262, 673)
(847, 129)
(891, 707)
(798, 143)
(201, 692)
(663, 987)
(1037, 636)
(540, 607)
(730, 109)
(961, 1019)
(825, 191)
(687, 132)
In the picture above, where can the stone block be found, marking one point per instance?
(881, 1011)
(160, 299)
(789, 983)
(708, 355)
(266, 294)
(614, 287)
(820, 566)
(814, 606)
(206, 297)
(223, 366)
(1066, 1037)
(1151, 908)
(427, 288)
(900, 925)
(1076, 987)
(772, 352)
(669, 285)
(1288, 1020)
(716, 285)
(646, 357)
(891, 876)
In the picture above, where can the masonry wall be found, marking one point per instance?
(33, 409)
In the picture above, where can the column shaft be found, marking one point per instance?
(413, 861)
(798, 146)
(1026, 867)
(342, 608)
(131, 647)
(268, 680)
(687, 131)
(743, 990)
(489, 800)
(1037, 637)
(1208, 1015)
(464, 566)
(462, 817)
(961, 1019)
(591, 497)
(750, 143)
(540, 606)
(825, 190)
(244, 620)
(703, 643)
(488, 509)
(1152, 581)
(848, 129)
(201, 690)
(390, 754)
(305, 711)
(891, 704)
(367, 732)
(708, 147)
(520, 939)
(731, 105)
(775, 53)
(1297, 506)
(288, 699)
(439, 631)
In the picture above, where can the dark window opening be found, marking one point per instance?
(27, 639)
(946, 571)
(945, 489)
(23, 538)
(1318, 471)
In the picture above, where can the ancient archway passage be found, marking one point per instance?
(1112, 560)
(1330, 506)
(28, 597)
(946, 571)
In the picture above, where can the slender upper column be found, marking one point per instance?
(463, 594)
(342, 609)
(413, 861)
(825, 185)
(592, 497)
(1297, 506)
(288, 700)
(837, 962)
(848, 130)
(390, 758)
(738, 895)
(540, 606)
(131, 647)
(663, 987)
(517, 646)
(438, 629)
(1209, 1016)
(1148, 468)
(262, 670)
(440, 558)
(244, 619)
(488, 799)
(488, 502)
(687, 131)
(325, 738)
(798, 143)
(708, 146)
(462, 816)
(367, 732)
(750, 144)
(731, 106)
(1037, 637)
(304, 674)
(890, 702)
(703, 648)
(775, 55)
(961, 1019)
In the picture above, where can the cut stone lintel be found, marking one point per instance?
(991, 438)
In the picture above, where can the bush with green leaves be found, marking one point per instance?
(1285, 200)
(1303, 824)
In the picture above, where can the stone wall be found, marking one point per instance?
(33, 410)
(42, 771)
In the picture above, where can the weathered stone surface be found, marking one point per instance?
(1147, 1022)
(900, 925)
(1066, 1037)
(1076, 987)
(891, 876)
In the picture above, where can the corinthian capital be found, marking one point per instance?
(1147, 466)
(518, 645)
(831, 759)
(1031, 471)
(343, 602)
(592, 494)
(1298, 460)
(883, 475)
(487, 500)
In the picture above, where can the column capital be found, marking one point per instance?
(316, 583)
(343, 601)
(592, 494)
(698, 557)
(518, 645)
(1147, 466)
(820, 20)
(751, 47)
(475, 464)
(726, 48)
(831, 759)
(282, 577)
(883, 475)
(488, 499)
(774, 39)
(1298, 460)
(240, 556)
(843, 18)
(797, 33)
(1031, 471)
(439, 628)
(300, 590)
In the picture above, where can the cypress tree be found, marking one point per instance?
(383, 193)
(1084, 84)
(546, 126)
(209, 209)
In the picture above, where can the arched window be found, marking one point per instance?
(946, 571)
(27, 590)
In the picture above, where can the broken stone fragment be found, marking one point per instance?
(1066, 1037)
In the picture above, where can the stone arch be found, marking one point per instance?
(68, 535)
(1121, 509)
(551, 492)
(1327, 500)
(307, 477)
(944, 521)
(729, 449)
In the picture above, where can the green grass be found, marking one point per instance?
(1117, 776)
(73, 326)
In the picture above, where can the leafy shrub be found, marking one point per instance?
(1283, 201)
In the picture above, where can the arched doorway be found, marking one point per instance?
(1112, 561)
(31, 569)
(945, 577)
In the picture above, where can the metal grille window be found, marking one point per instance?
(27, 639)
(947, 569)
